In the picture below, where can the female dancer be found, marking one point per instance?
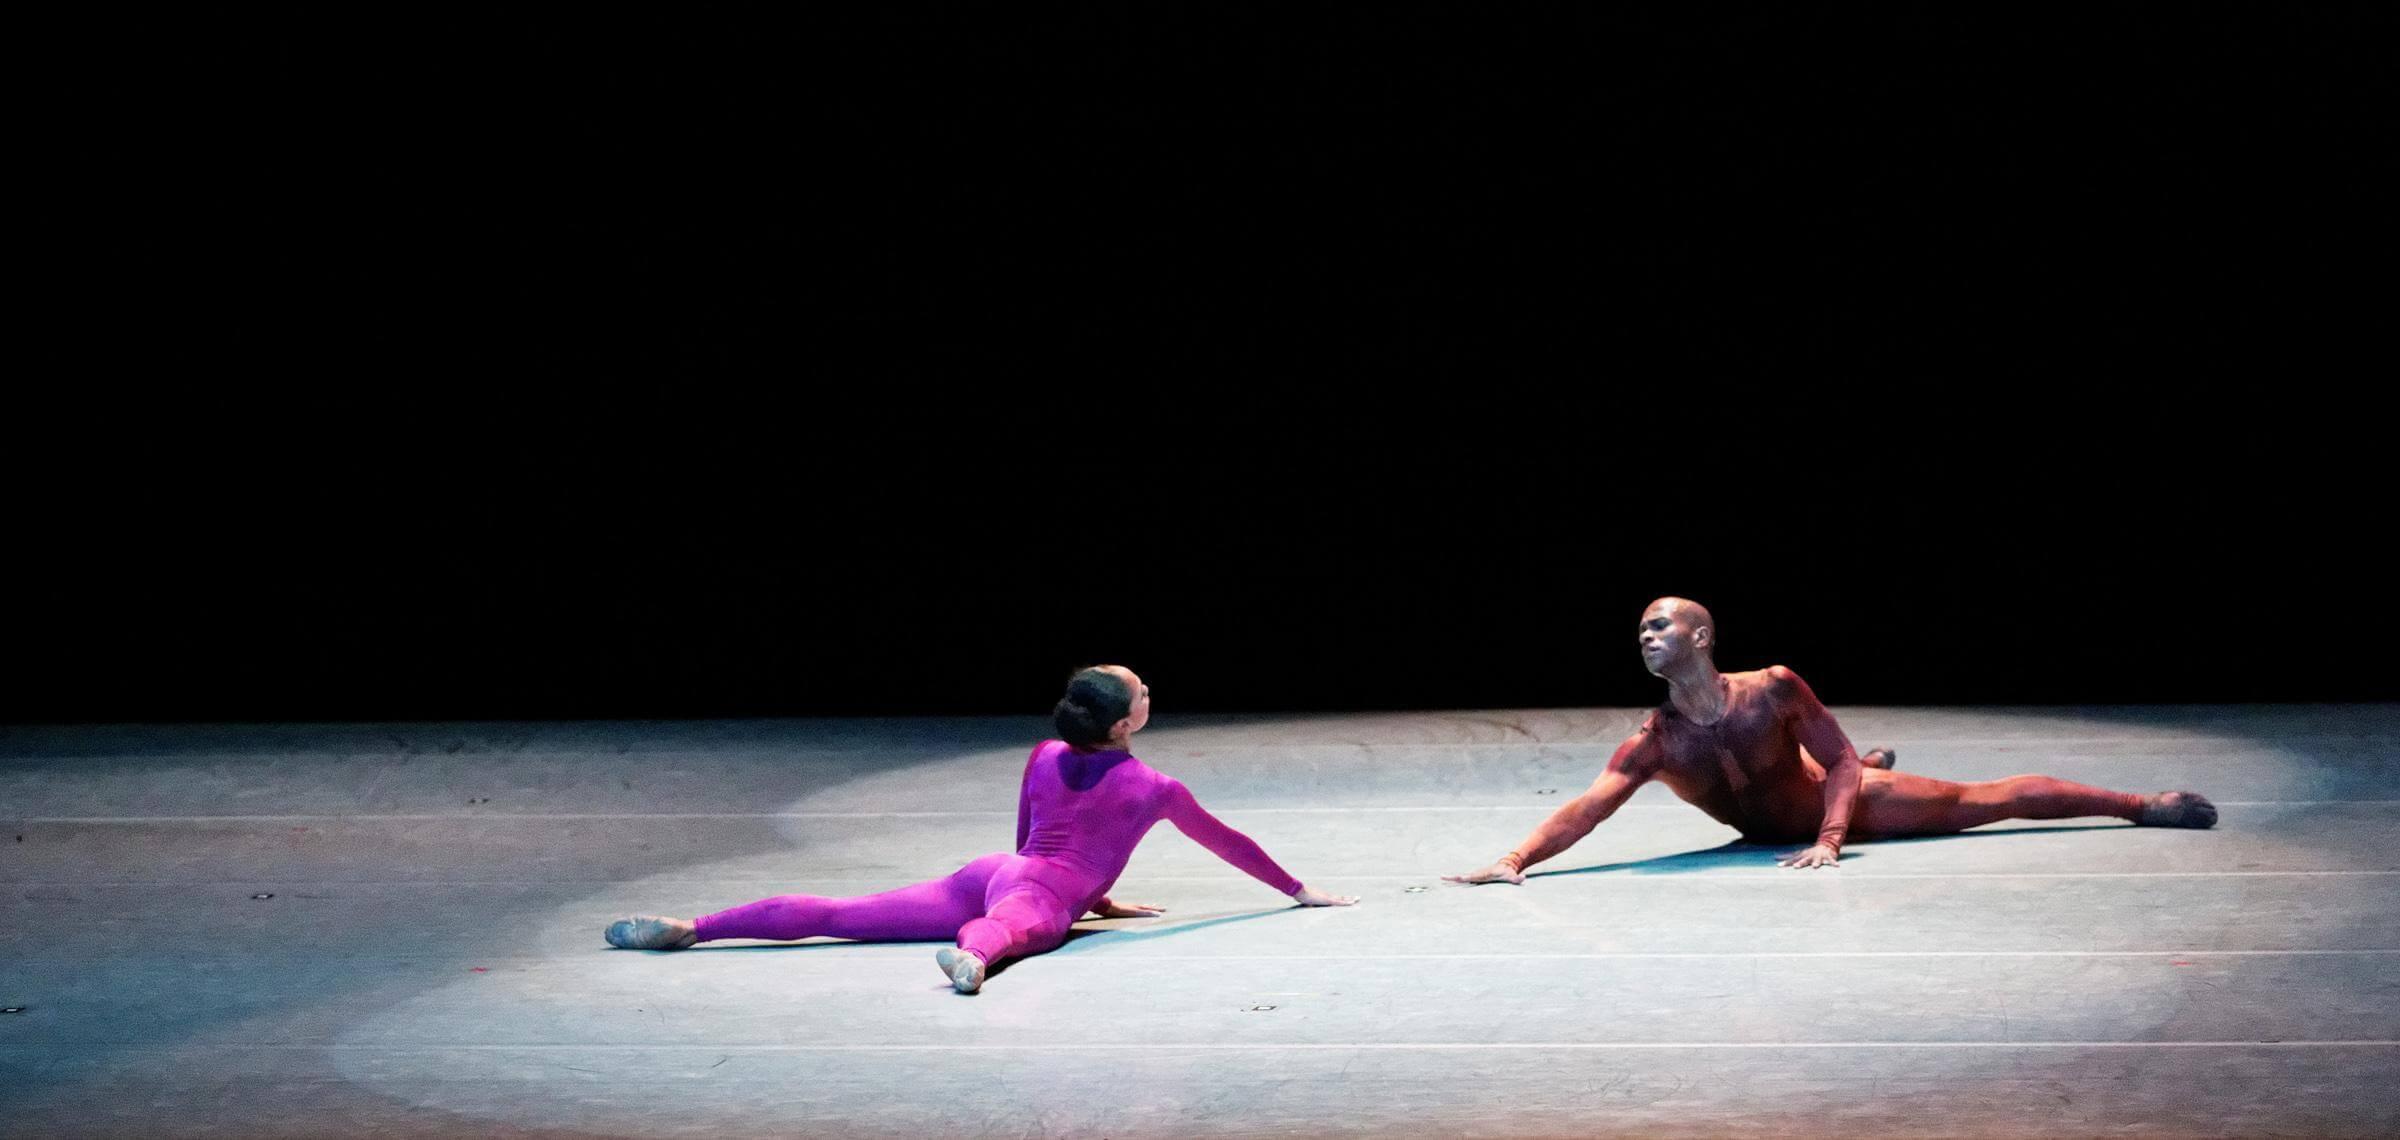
(1083, 806)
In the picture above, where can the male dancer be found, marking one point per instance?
(1730, 744)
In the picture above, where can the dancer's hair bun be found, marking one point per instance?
(1096, 700)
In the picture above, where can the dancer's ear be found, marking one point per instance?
(1704, 637)
(1123, 729)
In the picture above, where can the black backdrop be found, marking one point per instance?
(539, 362)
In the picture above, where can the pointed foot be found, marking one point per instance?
(652, 932)
(2179, 809)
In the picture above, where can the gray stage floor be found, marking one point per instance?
(301, 930)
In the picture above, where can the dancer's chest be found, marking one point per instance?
(1734, 751)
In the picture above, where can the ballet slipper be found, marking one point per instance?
(964, 968)
(651, 932)
(2178, 809)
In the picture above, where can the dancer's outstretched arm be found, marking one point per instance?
(1232, 846)
(1813, 725)
(1635, 762)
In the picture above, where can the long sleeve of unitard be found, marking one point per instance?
(1185, 812)
(1634, 763)
(1816, 730)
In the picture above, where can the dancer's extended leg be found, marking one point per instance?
(1022, 919)
(924, 912)
(1902, 803)
(1019, 916)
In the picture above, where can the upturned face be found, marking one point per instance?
(1670, 638)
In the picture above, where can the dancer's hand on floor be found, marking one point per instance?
(1499, 872)
(1110, 908)
(1311, 896)
(1817, 856)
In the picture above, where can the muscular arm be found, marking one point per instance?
(1634, 763)
(1232, 846)
(1813, 725)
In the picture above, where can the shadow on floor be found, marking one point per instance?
(1120, 935)
(1743, 854)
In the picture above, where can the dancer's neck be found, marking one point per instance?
(1699, 692)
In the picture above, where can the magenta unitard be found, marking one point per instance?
(1079, 816)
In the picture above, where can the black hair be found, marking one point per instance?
(1096, 700)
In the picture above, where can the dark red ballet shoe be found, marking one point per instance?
(2179, 809)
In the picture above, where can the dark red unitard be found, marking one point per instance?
(1079, 817)
(1747, 770)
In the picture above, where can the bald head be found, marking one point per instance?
(1674, 632)
(1693, 613)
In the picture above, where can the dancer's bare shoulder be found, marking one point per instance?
(1779, 683)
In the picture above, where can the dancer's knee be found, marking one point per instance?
(2020, 794)
(802, 910)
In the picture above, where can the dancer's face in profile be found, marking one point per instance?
(1670, 637)
(1139, 715)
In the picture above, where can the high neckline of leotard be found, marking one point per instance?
(1081, 771)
